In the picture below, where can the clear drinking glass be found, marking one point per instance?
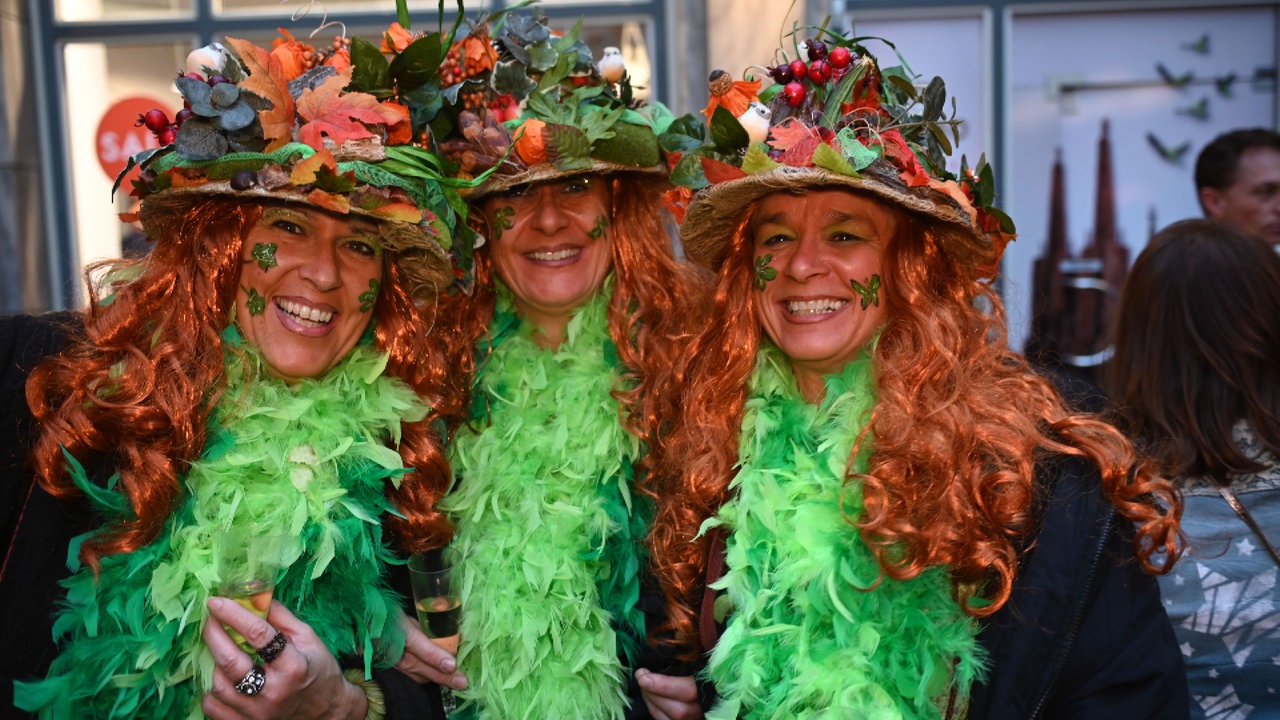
(435, 596)
(249, 561)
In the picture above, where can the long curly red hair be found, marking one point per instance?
(959, 427)
(135, 388)
(655, 305)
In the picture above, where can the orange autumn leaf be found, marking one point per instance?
(395, 39)
(530, 146)
(186, 177)
(329, 112)
(268, 80)
(334, 202)
(478, 54)
(790, 133)
(736, 99)
(398, 212)
(305, 172)
(400, 133)
(717, 171)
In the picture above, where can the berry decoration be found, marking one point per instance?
(799, 69)
(819, 72)
(816, 49)
(155, 119)
(782, 74)
(840, 57)
(793, 93)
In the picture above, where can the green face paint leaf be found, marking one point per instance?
(265, 254)
(257, 304)
(502, 221)
(764, 273)
(370, 296)
(602, 222)
(870, 292)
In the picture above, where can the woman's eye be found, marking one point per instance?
(844, 237)
(288, 226)
(577, 185)
(776, 239)
(518, 191)
(363, 247)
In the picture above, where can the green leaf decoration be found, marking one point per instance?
(841, 94)
(602, 222)
(727, 134)
(265, 254)
(425, 103)
(685, 133)
(546, 107)
(402, 13)
(369, 297)
(870, 292)
(764, 273)
(198, 139)
(567, 147)
(139, 160)
(939, 136)
(1006, 222)
(598, 124)
(828, 158)
(557, 67)
(334, 182)
(986, 183)
(901, 83)
(198, 94)
(858, 155)
(236, 117)
(224, 95)
(688, 173)
(418, 64)
(256, 304)
(757, 159)
(502, 221)
(510, 77)
(934, 98)
(370, 71)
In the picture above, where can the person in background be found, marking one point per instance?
(868, 505)
(1200, 393)
(578, 301)
(275, 366)
(1238, 181)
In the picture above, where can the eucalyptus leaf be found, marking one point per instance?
(369, 69)
(236, 117)
(198, 94)
(224, 95)
(198, 139)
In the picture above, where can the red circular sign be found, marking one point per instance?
(119, 137)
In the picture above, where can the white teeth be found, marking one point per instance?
(304, 312)
(815, 307)
(557, 255)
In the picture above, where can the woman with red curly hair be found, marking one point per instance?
(578, 301)
(868, 506)
(275, 368)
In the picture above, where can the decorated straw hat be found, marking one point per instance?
(335, 127)
(833, 118)
(534, 106)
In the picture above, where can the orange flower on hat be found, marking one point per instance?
(733, 95)
(340, 60)
(292, 54)
(395, 39)
(677, 201)
(530, 146)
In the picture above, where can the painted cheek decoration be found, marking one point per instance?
(502, 221)
(764, 273)
(257, 304)
(870, 292)
(602, 222)
(368, 297)
(265, 254)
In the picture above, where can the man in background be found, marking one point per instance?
(1238, 181)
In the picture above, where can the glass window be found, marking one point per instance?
(84, 10)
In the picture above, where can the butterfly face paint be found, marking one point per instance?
(870, 292)
(265, 254)
(764, 273)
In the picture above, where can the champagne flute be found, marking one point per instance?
(248, 562)
(439, 607)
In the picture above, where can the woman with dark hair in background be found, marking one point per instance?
(1196, 381)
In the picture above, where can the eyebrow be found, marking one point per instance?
(833, 217)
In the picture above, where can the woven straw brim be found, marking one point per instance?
(422, 261)
(717, 209)
(542, 172)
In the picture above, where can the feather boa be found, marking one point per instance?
(546, 528)
(311, 461)
(805, 638)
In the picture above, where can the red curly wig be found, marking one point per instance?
(960, 424)
(655, 305)
(135, 388)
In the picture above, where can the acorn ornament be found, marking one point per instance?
(756, 121)
(612, 67)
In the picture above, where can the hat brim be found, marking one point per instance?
(716, 209)
(542, 172)
(423, 262)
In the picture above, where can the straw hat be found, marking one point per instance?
(536, 107)
(298, 125)
(833, 119)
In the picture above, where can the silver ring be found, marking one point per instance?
(272, 649)
(252, 682)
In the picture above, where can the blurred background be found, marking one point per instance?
(1091, 112)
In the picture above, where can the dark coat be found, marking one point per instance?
(35, 530)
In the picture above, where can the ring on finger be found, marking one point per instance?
(272, 649)
(252, 682)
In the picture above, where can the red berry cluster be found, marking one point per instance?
(823, 65)
(157, 120)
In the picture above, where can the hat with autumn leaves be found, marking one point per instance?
(344, 127)
(832, 118)
(534, 105)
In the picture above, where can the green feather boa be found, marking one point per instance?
(313, 461)
(803, 640)
(546, 526)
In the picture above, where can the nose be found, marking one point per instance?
(548, 217)
(321, 268)
(805, 261)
